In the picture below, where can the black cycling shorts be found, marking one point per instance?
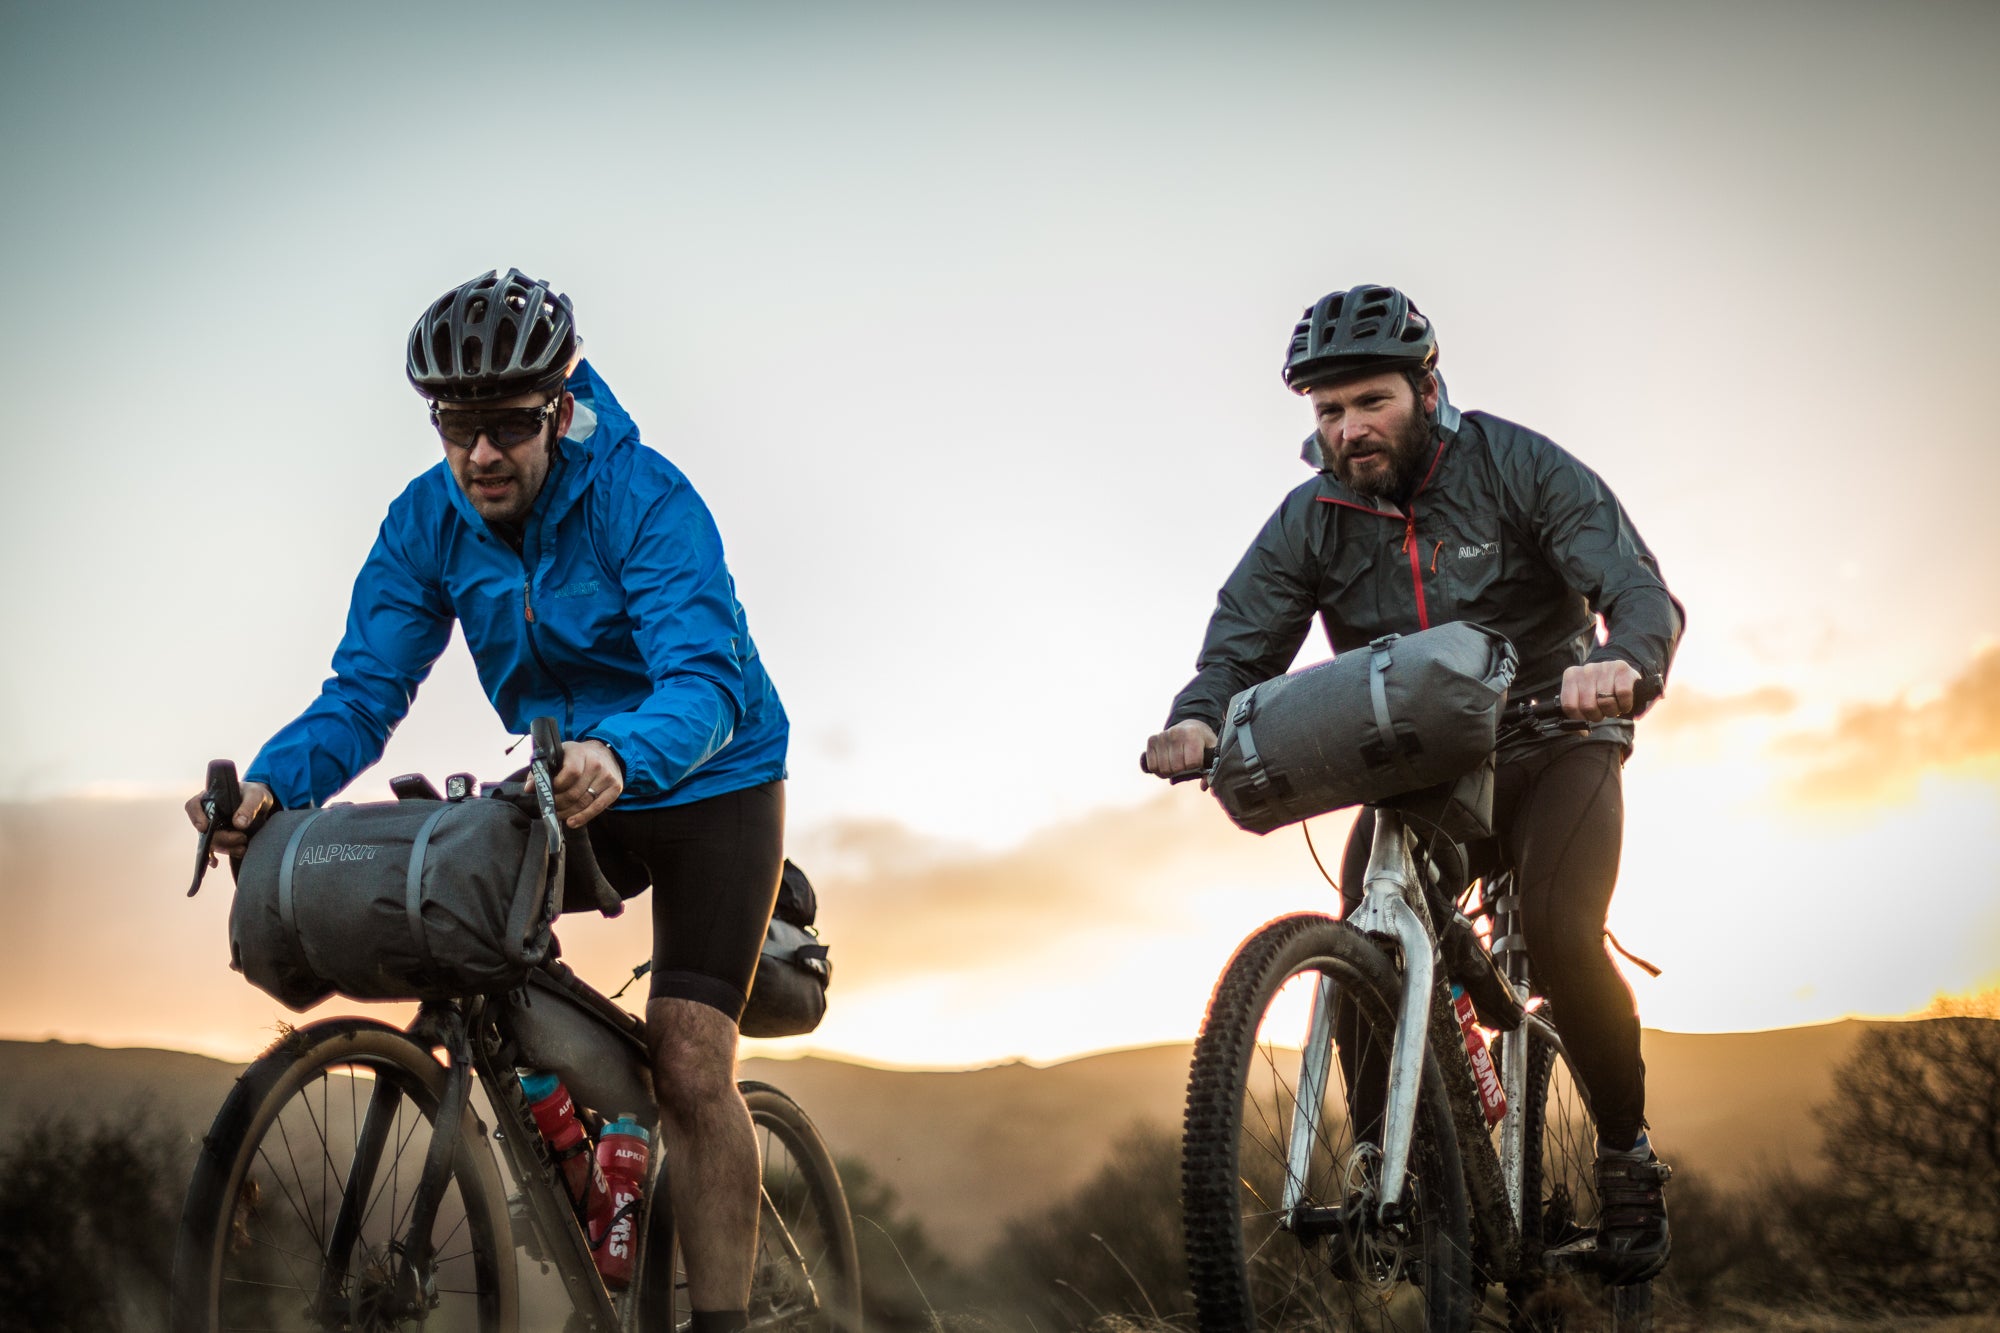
(713, 866)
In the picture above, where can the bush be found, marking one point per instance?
(87, 1221)
(905, 1281)
(1111, 1249)
(1911, 1216)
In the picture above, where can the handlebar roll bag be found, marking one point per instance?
(404, 900)
(1407, 712)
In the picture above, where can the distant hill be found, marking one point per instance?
(967, 1150)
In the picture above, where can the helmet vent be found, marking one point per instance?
(475, 310)
(468, 353)
(1379, 294)
(505, 337)
(538, 341)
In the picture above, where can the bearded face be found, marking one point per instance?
(1377, 433)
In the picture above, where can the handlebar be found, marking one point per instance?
(1187, 775)
(223, 796)
(1518, 718)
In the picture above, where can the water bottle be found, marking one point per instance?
(1492, 1098)
(622, 1152)
(555, 1116)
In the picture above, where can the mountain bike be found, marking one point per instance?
(355, 1181)
(1338, 1166)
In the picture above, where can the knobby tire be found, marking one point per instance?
(1558, 1180)
(1247, 1272)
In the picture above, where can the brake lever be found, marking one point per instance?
(220, 800)
(547, 762)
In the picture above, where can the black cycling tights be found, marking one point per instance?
(1560, 817)
(714, 866)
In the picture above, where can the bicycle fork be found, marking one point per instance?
(414, 1291)
(1388, 912)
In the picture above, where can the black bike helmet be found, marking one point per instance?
(491, 338)
(1357, 331)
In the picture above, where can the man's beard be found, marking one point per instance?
(1407, 452)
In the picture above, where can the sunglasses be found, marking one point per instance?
(505, 426)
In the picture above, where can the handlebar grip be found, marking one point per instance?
(1207, 763)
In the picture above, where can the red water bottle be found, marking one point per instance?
(622, 1152)
(555, 1116)
(1492, 1098)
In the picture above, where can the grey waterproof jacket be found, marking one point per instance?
(1505, 529)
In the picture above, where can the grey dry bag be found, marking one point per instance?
(1405, 713)
(405, 900)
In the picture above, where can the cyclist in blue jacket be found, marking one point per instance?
(589, 580)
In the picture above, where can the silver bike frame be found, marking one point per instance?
(1393, 911)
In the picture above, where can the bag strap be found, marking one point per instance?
(1246, 743)
(287, 909)
(536, 901)
(1378, 694)
(413, 888)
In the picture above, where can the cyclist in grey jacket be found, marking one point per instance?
(1418, 515)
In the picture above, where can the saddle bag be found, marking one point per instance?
(406, 900)
(788, 994)
(1408, 712)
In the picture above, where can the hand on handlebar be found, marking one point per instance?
(231, 841)
(588, 782)
(1594, 691)
(1182, 750)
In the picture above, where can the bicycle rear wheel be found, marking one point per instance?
(1331, 1265)
(807, 1274)
(301, 1197)
(1559, 1182)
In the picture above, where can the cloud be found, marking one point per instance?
(1685, 709)
(1878, 752)
(898, 904)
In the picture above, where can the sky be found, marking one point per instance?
(967, 326)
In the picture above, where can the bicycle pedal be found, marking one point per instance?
(1579, 1255)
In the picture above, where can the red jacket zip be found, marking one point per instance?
(1409, 518)
(1416, 566)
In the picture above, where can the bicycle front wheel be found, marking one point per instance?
(1559, 1183)
(1328, 1263)
(298, 1209)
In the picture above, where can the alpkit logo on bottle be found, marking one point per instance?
(332, 853)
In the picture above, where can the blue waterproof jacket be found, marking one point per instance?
(618, 616)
